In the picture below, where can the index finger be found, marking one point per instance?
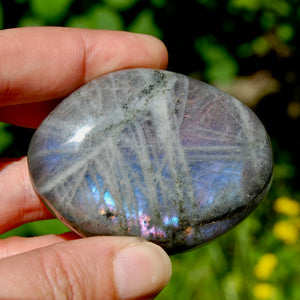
(44, 63)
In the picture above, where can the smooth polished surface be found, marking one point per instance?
(154, 154)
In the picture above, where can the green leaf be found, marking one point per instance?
(79, 22)
(280, 7)
(144, 23)
(106, 18)
(285, 32)
(260, 46)
(50, 11)
(268, 20)
(244, 50)
(29, 21)
(120, 4)
(99, 17)
(48, 227)
(208, 3)
(6, 138)
(158, 3)
(53, 226)
(221, 66)
(251, 5)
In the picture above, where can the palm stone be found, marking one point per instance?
(151, 153)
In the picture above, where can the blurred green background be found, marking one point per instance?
(247, 48)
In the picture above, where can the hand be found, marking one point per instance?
(38, 65)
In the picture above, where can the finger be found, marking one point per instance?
(16, 245)
(91, 268)
(44, 63)
(27, 115)
(18, 201)
(39, 64)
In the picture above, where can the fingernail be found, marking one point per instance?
(141, 270)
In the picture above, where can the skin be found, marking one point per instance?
(38, 67)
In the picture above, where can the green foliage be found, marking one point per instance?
(98, 17)
(5, 137)
(158, 3)
(227, 268)
(30, 21)
(252, 5)
(37, 228)
(120, 4)
(268, 20)
(221, 66)
(208, 3)
(260, 46)
(144, 23)
(280, 7)
(50, 11)
(285, 32)
(20, 1)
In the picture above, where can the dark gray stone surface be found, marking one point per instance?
(154, 154)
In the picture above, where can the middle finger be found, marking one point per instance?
(18, 201)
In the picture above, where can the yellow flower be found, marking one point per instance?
(286, 231)
(265, 266)
(296, 222)
(263, 291)
(287, 206)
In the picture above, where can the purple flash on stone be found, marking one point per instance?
(151, 153)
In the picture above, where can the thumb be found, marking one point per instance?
(90, 268)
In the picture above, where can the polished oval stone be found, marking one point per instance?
(151, 153)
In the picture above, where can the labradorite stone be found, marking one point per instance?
(151, 153)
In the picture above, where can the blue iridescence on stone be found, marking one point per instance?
(153, 154)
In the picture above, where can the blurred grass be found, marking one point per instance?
(6, 138)
(37, 228)
(216, 41)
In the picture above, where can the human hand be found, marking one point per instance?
(38, 65)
